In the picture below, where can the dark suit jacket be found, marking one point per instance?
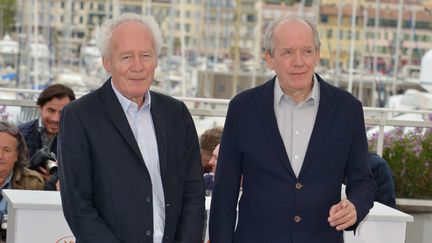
(275, 206)
(105, 186)
(384, 180)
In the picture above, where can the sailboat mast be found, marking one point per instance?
(67, 32)
(352, 45)
(115, 8)
(375, 46)
(363, 51)
(35, 41)
(301, 8)
(397, 46)
(338, 44)
(413, 40)
(182, 47)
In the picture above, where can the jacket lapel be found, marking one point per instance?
(112, 107)
(326, 110)
(265, 106)
(160, 131)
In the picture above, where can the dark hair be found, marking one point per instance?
(22, 151)
(55, 91)
(210, 139)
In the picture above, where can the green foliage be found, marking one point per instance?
(409, 154)
(7, 9)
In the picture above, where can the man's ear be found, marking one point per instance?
(317, 62)
(106, 64)
(269, 59)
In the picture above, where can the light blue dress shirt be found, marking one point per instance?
(141, 123)
(3, 204)
(295, 122)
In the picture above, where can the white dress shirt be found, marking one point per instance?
(141, 123)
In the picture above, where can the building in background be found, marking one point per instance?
(225, 36)
(379, 36)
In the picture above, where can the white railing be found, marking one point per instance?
(383, 117)
(380, 118)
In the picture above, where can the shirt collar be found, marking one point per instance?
(7, 181)
(126, 103)
(40, 124)
(313, 96)
(41, 127)
(46, 139)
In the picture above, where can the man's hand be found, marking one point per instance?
(44, 173)
(58, 185)
(342, 215)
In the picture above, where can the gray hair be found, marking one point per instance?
(269, 32)
(105, 32)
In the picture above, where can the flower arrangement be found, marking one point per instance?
(408, 151)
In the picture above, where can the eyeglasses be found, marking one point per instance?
(9, 128)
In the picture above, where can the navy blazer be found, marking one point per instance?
(275, 206)
(105, 186)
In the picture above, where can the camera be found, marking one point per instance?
(3, 226)
(44, 159)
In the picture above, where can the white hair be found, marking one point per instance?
(105, 32)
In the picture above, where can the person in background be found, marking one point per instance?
(208, 141)
(384, 180)
(13, 162)
(209, 176)
(294, 140)
(41, 134)
(129, 158)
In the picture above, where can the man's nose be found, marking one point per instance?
(298, 59)
(138, 64)
(56, 117)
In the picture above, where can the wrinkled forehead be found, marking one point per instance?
(294, 32)
(131, 33)
(8, 139)
(131, 28)
(293, 27)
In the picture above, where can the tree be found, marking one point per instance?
(7, 14)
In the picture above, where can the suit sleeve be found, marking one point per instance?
(360, 188)
(225, 193)
(191, 222)
(75, 174)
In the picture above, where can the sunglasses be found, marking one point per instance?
(9, 128)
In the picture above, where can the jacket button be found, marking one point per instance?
(167, 205)
(298, 185)
(297, 219)
(148, 199)
(148, 232)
